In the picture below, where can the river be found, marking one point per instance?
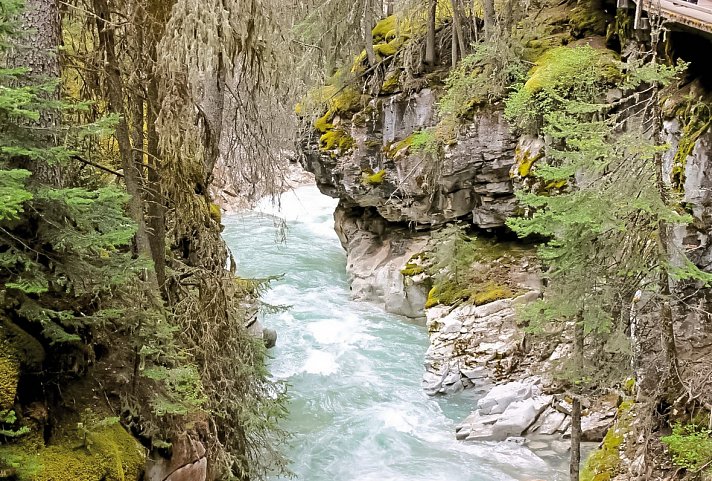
(357, 410)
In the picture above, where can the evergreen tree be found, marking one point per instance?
(598, 199)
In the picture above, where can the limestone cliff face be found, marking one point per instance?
(472, 181)
(392, 194)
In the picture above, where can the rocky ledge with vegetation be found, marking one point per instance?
(591, 142)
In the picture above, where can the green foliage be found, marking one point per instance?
(183, 393)
(13, 193)
(463, 269)
(598, 252)
(561, 74)
(481, 77)
(690, 445)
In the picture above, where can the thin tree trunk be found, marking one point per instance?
(389, 7)
(453, 47)
(37, 51)
(575, 461)
(457, 26)
(368, 34)
(666, 319)
(156, 207)
(430, 53)
(489, 18)
(107, 43)
(157, 16)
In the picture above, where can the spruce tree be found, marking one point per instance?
(597, 198)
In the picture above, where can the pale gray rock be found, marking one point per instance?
(550, 422)
(518, 416)
(500, 397)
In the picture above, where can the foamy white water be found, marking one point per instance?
(357, 411)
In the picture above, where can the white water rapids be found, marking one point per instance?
(357, 410)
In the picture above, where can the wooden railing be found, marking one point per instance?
(696, 16)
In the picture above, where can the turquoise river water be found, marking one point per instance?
(357, 410)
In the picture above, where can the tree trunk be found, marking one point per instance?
(665, 242)
(37, 51)
(457, 27)
(368, 34)
(158, 11)
(575, 460)
(389, 7)
(115, 91)
(489, 18)
(453, 47)
(430, 53)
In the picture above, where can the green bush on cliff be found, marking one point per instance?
(690, 445)
(467, 269)
(563, 72)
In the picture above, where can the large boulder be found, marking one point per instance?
(500, 397)
(187, 462)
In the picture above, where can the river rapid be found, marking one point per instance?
(357, 410)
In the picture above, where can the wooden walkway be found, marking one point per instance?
(696, 16)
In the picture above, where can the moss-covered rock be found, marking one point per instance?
(697, 119)
(336, 140)
(561, 66)
(9, 369)
(602, 464)
(110, 454)
(9, 376)
(373, 178)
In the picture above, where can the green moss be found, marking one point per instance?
(491, 292)
(699, 119)
(385, 29)
(344, 101)
(415, 265)
(589, 17)
(561, 66)
(396, 147)
(358, 65)
(621, 28)
(9, 372)
(112, 455)
(411, 270)
(373, 178)
(322, 124)
(9, 376)
(216, 213)
(525, 161)
(392, 83)
(388, 49)
(603, 463)
(451, 293)
(336, 139)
